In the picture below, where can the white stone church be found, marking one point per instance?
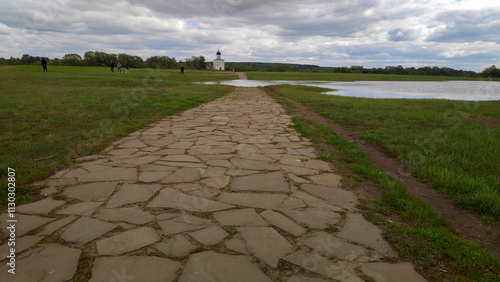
(218, 63)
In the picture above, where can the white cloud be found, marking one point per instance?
(459, 34)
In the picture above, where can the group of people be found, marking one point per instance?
(119, 67)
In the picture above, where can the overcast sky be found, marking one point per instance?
(462, 34)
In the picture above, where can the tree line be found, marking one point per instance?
(96, 58)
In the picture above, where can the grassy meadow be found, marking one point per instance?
(49, 119)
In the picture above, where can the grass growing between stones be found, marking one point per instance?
(49, 119)
(415, 230)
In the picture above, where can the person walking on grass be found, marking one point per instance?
(44, 65)
(182, 70)
(112, 66)
(126, 67)
(119, 67)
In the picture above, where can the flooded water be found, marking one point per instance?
(452, 90)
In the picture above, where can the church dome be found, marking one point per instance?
(218, 52)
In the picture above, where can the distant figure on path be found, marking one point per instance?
(119, 66)
(126, 67)
(112, 66)
(44, 65)
(182, 70)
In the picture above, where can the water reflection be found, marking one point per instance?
(453, 90)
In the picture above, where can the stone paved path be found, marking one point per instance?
(227, 191)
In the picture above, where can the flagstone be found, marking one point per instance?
(40, 207)
(212, 266)
(136, 268)
(177, 246)
(239, 217)
(97, 192)
(330, 246)
(253, 165)
(171, 198)
(213, 171)
(110, 174)
(298, 278)
(209, 236)
(86, 229)
(51, 262)
(293, 203)
(181, 158)
(132, 193)
(142, 160)
(314, 218)
(48, 191)
(383, 271)
(164, 152)
(136, 143)
(298, 170)
(183, 175)
(359, 230)
(157, 167)
(321, 265)
(283, 222)
(177, 223)
(238, 245)
(122, 152)
(152, 176)
(127, 241)
(132, 215)
(56, 225)
(327, 179)
(265, 243)
(218, 182)
(181, 145)
(21, 244)
(241, 172)
(335, 196)
(24, 224)
(83, 208)
(61, 182)
(262, 201)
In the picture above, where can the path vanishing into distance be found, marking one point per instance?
(227, 191)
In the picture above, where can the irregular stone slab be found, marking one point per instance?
(211, 266)
(209, 236)
(183, 175)
(110, 174)
(328, 245)
(171, 198)
(265, 243)
(298, 170)
(86, 229)
(83, 208)
(242, 217)
(237, 244)
(297, 179)
(91, 192)
(283, 222)
(140, 160)
(383, 271)
(180, 145)
(127, 241)
(40, 207)
(314, 218)
(132, 215)
(25, 223)
(56, 225)
(22, 244)
(321, 265)
(177, 223)
(317, 164)
(335, 196)
(136, 143)
(327, 179)
(253, 165)
(51, 262)
(217, 182)
(152, 176)
(271, 182)
(261, 201)
(293, 203)
(359, 230)
(181, 158)
(177, 246)
(305, 279)
(133, 193)
(122, 152)
(61, 182)
(136, 268)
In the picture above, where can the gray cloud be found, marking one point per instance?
(328, 33)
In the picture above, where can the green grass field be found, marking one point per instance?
(75, 111)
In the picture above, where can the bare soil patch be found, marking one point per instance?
(469, 225)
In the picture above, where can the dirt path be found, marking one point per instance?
(468, 224)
